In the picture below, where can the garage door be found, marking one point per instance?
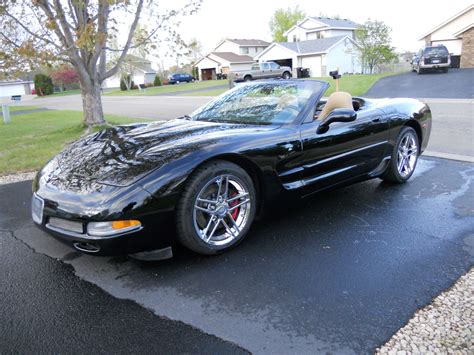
(313, 63)
(9, 90)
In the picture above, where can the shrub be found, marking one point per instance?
(157, 81)
(43, 85)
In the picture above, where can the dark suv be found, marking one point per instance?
(432, 58)
(177, 78)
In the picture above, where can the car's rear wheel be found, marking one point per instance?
(286, 75)
(216, 208)
(247, 78)
(445, 70)
(420, 71)
(404, 157)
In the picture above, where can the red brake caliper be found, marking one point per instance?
(235, 212)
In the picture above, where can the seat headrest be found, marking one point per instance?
(339, 99)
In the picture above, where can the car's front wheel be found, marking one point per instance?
(286, 75)
(404, 157)
(216, 208)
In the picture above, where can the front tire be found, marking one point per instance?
(286, 75)
(216, 208)
(404, 157)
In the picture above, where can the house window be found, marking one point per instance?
(319, 35)
(245, 50)
(294, 38)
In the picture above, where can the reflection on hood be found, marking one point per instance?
(122, 155)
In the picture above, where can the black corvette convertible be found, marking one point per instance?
(210, 173)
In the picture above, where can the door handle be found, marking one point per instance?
(376, 119)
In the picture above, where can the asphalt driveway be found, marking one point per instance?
(456, 84)
(339, 272)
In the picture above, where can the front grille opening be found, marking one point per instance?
(87, 247)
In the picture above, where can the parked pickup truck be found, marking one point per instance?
(264, 70)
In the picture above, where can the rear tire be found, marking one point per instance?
(247, 78)
(445, 70)
(420, 71)
(211, 218)
(404, 157)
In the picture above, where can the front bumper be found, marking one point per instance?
(156, 232)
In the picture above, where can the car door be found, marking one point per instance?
(346, 150)
(275, 71)
(265, 71)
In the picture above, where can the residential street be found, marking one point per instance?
(340, 273)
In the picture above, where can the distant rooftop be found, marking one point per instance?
(335, 22)
(233, 58)
(249, 42)
(320, 45)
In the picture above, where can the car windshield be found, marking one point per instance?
(436, 51)
(261, 103)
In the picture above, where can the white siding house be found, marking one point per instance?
(139, 68)
(320, 44)
(320, 27)
(250, 47)
(320, 56)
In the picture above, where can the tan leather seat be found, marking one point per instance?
(339, 99)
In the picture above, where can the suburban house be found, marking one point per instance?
(320, 44)
(222, 63)
(10, 88)
(457, 34)
(229, 55)
(320, 27)
(139, 68)
(250, 47)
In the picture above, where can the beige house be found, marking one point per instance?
(229, 55)
(250, 47)
(457, 34)
(222, 63)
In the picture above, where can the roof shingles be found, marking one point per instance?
(249, 42)
(312, 46)
(337, 23)
(232, 57)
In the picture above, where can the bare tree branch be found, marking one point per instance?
(116, 67)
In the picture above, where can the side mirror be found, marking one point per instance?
(337, 115)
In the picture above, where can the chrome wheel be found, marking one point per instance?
(221, 210)
(407, 154)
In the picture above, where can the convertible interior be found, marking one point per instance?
(339, 99)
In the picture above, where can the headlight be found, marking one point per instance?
(102, 229)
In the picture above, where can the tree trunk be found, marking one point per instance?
(92, 103)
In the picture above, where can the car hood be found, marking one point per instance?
(122, 155)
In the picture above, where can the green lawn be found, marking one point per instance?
(356, 85)
(30, 140)
(168, 88)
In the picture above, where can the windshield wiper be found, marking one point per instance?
(185, 117)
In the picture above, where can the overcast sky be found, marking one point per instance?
(409, 19)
